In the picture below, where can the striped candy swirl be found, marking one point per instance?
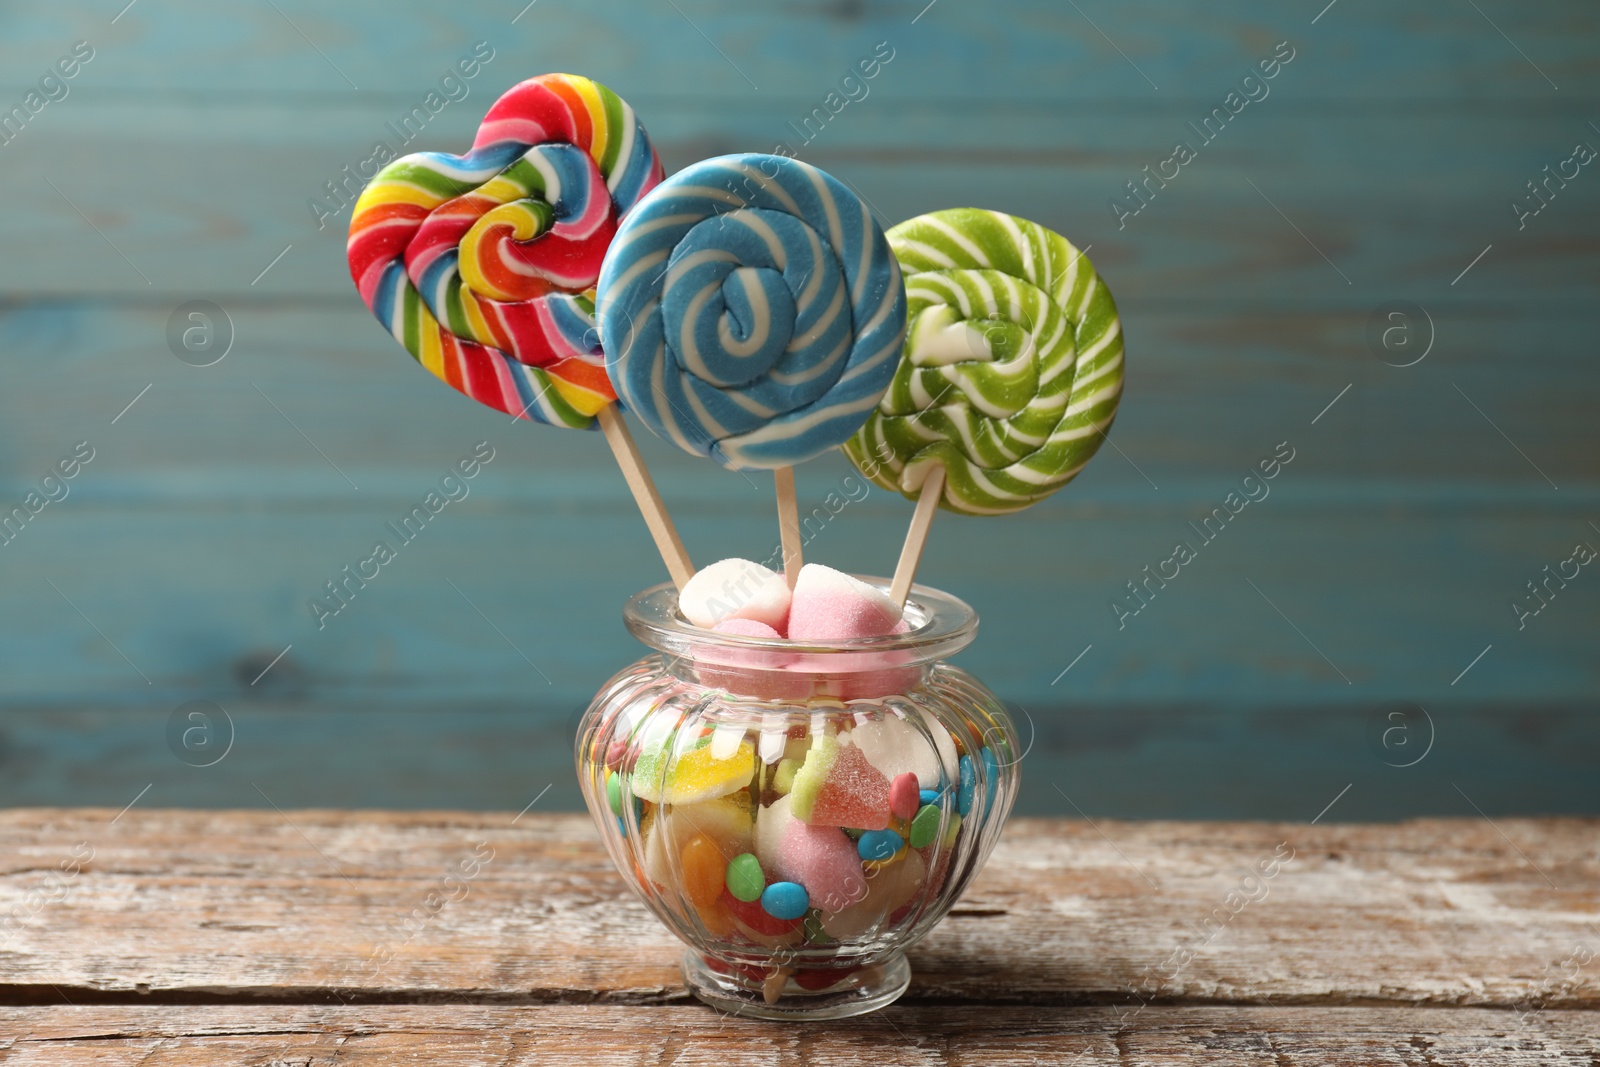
(1012, 368)
(483, 265)
(751, 311)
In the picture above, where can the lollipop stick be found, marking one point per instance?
(645, 495)
(917, 535)
(788, 523)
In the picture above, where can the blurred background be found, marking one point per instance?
(1385, 264)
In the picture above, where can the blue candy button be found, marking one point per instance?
(968, 782)
(879, 844)
(785, 900)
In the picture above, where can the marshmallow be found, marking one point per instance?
(735, 589)
(829, 605)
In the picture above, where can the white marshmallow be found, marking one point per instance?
(735, 589)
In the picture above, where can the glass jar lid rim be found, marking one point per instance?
(941, 624)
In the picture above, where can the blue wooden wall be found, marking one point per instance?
(1381, 166)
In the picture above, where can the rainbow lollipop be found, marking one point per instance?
(1011, 374)
(483, 265)
(752, 312)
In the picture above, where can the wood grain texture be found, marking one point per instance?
(234, 937)
(294, 904)
(458, 1035)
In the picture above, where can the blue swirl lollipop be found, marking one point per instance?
(751, 311)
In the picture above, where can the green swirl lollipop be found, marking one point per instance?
(1010, 373)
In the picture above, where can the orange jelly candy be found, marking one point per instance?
(703, 867)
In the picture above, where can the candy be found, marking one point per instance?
(929, 796)
(991, 777)
(837, 786)
(483, 265)
(735, 589)
(1012, 368)
(697, 772)
(830, 605)
(965, 789)
(903, 795)
(879, 844)
(925, 826)
(744, 877)
(890, 889)
(614, 793)
(725, 823)
(896, 746)
(821, 858)
(751, 311)
(785, 900)
(703, 864)
(756, 923)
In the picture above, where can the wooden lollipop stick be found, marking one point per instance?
(788, 523)
(917, 535)
(645, 495)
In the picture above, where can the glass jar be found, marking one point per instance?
(798, 814)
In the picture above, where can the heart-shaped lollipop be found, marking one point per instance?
(483, 265)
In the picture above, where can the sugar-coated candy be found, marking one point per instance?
(785, 900)
(724, 822)
(747, 628)
(703, 865)
(735, 589)
(821, 858)
(744, 877)
(829, 605)
(897, 746)
(838, 786)
(691, 773)
(484, 265)
(925, 827)
(879, 844)
(751, 311)
(965, 789)
(1012, 367)
(888, 891)
(903, 795)
(929, 796)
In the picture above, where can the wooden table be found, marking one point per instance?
(310, 937)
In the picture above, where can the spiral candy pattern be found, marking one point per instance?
(751, 311)
(483, 265)
(1012, 368)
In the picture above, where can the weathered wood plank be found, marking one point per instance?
(1035, 47)
(205, 462)
(271, 905)
(910, 1034)
(1363, 188)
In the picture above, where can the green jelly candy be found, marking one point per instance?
(745, 879)
(925, 827)
(614, 793)
(783, 778)
(815, 934)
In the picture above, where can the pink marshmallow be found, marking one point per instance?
(747, 628)
(749, 672)
(829, 605)
(821, 858)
